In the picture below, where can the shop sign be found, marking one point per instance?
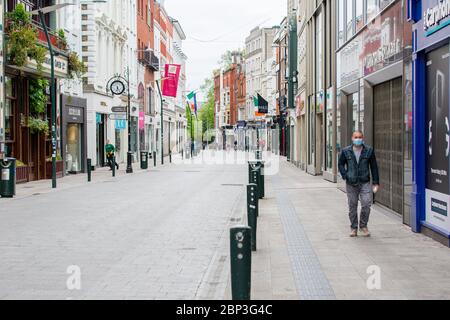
(349, 63)
(61, 65)
(383, 41)
(75, 114)
(433, 17)
(120, 124)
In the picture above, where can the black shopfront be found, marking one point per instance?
(74, 135)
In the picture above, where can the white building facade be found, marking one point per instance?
(109, 49)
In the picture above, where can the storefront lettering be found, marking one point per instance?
(384, 53)
(434, 16)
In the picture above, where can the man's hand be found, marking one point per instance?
(376, 187)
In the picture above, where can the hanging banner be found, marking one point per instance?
(141, 120)
(171, 77)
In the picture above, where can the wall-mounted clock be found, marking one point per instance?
(117, 87)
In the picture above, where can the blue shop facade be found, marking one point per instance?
(430, 212)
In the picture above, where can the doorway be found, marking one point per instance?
(388, 142)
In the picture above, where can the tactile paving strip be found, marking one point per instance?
(310, 280)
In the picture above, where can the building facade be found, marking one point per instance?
(109, 43)
(27, 108)
(373, 82)
(429, 118)
(313, 118)
(180, 58)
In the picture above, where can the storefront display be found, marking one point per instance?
(437, 160)
(74, 134)
(430, 118)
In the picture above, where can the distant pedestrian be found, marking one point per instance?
(110, 150)
(356, 163)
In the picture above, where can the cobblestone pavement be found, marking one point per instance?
(150, 235)
(311, 256)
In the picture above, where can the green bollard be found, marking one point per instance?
(89, 169)
(154, 159)
(261, 182)
(252, 211)
(241, 262)
(256, 180)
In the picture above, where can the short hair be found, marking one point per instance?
(358, 131)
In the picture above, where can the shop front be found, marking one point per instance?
(373, 70)
(27, 118)
(430, 118)
(74, 139)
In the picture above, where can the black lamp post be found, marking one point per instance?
(126, 85)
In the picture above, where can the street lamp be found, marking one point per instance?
(41, 12)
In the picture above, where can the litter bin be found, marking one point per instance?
(144, 160)
(8, 178)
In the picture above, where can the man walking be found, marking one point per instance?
(356, 163)
(110, 150)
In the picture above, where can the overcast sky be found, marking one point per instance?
(219, 25)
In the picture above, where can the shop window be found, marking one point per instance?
(350, 30)
(359, 19)
(385, 3)
(341, 19)
(329, 130)
(373, 8)
(10, 110)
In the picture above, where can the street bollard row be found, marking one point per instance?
(243, 239)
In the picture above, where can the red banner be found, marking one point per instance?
(170, 83)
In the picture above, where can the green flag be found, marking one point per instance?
(191, 95)
(255, 101)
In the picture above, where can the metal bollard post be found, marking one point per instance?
(114, 166)
(170, 156)
(241, 263)
(154, 158)
(256, 180)
(261, 178)
(89, 169)
(253, 211)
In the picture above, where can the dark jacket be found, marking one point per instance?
(355, 173)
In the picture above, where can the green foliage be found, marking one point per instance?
(20, 164)
(19, 16)
(37, 126)
(227, 58)
(37, 97)
(76, 66)
(62, 41)
(207, 116)
(22, 39)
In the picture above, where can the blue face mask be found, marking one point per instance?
(358, 142)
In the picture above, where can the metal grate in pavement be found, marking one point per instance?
(310, 280)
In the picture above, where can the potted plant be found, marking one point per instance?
(22, 39)
(59, 167)
(38, 126)
(62, 41)
(76, 66)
